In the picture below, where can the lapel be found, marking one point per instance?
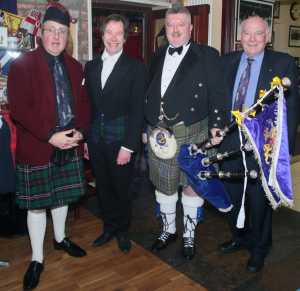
(186, 66)
(117, 73)
(45, 79)
(157, 68)
(95, 72)
(234, 64)
(234, 68)
(266, 74)
(97, 69)
(72, 76)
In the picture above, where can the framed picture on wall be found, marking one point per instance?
(276, 9)
(246, 8)
(294, 36)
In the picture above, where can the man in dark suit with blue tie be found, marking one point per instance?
(116, 85)
(247, 72)
(184, 79)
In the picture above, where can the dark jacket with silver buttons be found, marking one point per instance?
(193, 91)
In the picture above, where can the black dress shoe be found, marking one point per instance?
(124, 242)
(32, 275)
(103, 239)
(71, 248)
(231, 247)
(188, 248)
(163, 241)
(255, 264)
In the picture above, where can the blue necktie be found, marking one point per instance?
(64, 110)
(243, 86)
(63, 94)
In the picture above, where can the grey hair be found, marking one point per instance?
(257, 17)
(179, 9)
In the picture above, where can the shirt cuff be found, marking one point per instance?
(126, 149)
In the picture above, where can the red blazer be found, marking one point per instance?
(32, 104)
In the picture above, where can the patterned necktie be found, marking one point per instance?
(172, 50)
(243, 86)
(63, 94)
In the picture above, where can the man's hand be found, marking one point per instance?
(86, 151)
(62, 141)
(124, 157)
(216, 136)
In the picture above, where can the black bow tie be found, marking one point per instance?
(172, 50)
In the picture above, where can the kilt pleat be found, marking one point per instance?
(50, 185)
(166, 174)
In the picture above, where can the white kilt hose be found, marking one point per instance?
(166, 174)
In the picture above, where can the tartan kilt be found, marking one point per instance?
(166, 174)
(50, 185)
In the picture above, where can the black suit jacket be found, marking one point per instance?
(274, 64)
(121, 98)
(193, 91)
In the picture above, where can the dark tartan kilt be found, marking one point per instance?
(166, 174)
(50, 185)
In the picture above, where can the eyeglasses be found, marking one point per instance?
(54, 31)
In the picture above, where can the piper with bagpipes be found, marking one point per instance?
(267, 149)
(271, 134)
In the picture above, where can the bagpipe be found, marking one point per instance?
(264, 128)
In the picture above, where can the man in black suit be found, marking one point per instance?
(264, 65)
(116, 85)
(181, 96)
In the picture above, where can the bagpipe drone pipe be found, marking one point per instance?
(264, 127)
(204, 178)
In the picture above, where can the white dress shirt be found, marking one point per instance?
(109, 62)
(170, 67)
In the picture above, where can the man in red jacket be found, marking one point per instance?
(50, 108)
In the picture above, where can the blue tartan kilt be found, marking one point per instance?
(50, 185)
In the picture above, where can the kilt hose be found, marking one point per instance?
(166, 174)
(50, 185)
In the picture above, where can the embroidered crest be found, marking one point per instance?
(270, 135)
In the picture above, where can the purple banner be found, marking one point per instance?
(267, 132)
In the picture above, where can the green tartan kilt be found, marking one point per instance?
(50, 185)
(166, 175)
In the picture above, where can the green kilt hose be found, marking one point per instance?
(50, 185)
(166, 174)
